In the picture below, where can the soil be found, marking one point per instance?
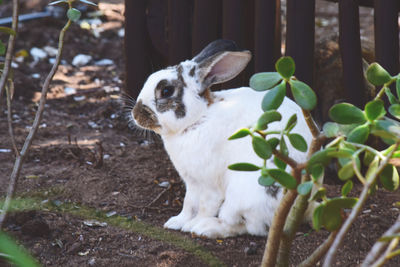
(87, 162)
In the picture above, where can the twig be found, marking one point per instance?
(319, 252)
(356, 210)
(35, 126)
(9, 119)
(380, 245)
(10, 48)
(386, 256)
(311, 124)
(276, 229)
(288, 160)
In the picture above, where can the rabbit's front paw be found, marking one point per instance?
(213, 227)
(176, 222)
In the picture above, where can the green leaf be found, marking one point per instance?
(286, 67)
(303, 95)
(319, 194)
(305, 188)
(273, 142)
(382, 128)
(17, 255)
(247, 167)
(359, 134)
(316, 219)
(331, 217)
(346, 172)
(279, 163)
(266, 180)
(346, 113)
(298, 142)
(240, 134)
(274, 97)
(372, 168)
(87, 2)
(291, 123)
(389, 178)
(264, 80)
(398, 87)
(347, 187)
(7, 30)
(2, 48)
(391, 97)
(73, 14)
(321, 157)
(331, 129)
(342, 153)
(368, 158)
(261, 147)
(395, 110)
(266, 118)
(283, 147)
(375, 110)
(377, 75)
(283, 178)
(317, 172)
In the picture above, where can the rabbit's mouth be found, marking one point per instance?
(145, 117)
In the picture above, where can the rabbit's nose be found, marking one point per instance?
(144, 116)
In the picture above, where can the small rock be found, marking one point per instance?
(5, 150)
(111, 213)
(14, 65)
(52, 60)
(121, 33)
(94, 223)
(51, 51)
(36, 75)
(104, 62)
(92, 261)
(106, 156)
(164, 184)
(93, 125)
(81, 60)
(251, 249)
(69, 90)
(37, 53)
(79, 98)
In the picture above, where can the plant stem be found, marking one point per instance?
(355, 211)
(275, 231)
(386, 256)
(9, 119)
(380, 245)
(10, 47)
(288, 160)
(35, 126)
(311, 123)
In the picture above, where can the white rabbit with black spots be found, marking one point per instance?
(195, 124)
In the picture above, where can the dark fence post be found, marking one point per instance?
(207, 22)
(136, 46)
(179, 30)
(387, 34)
(265, 34)
(300, 37)
(350, 48)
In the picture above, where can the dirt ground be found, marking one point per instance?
(87, 157)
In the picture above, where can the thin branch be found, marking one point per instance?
(355, 211)
(9, 119)
(288, 160)
(381, 245)
(319, 252)
(35, 126)
(311, 123)
(276, 229)
(10, 48)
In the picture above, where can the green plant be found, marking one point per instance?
(350, 130)
(6, 83)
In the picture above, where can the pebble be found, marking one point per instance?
(36, 75)
(164, 184)
(37, 53)
(51, 51)
(69, 90)
(92, 261)
(81, 60)
(104, 62)
(79, 98)
(251, 249)
(5, 150)
(121, 33)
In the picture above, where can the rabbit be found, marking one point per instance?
(195, 124)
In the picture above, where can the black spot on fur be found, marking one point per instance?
(191, 72)
(174, 102)
(272, 190)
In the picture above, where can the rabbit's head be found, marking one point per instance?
(175, 98)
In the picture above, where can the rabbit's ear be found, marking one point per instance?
(222, 67)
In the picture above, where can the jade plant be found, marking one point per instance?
(346, 141)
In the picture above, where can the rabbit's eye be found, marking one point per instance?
(167, 91)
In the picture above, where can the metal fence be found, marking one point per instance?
(164, 32)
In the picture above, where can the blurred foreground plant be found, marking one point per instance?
(7, 84)
(350, 130)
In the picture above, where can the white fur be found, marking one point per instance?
(218, 202)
